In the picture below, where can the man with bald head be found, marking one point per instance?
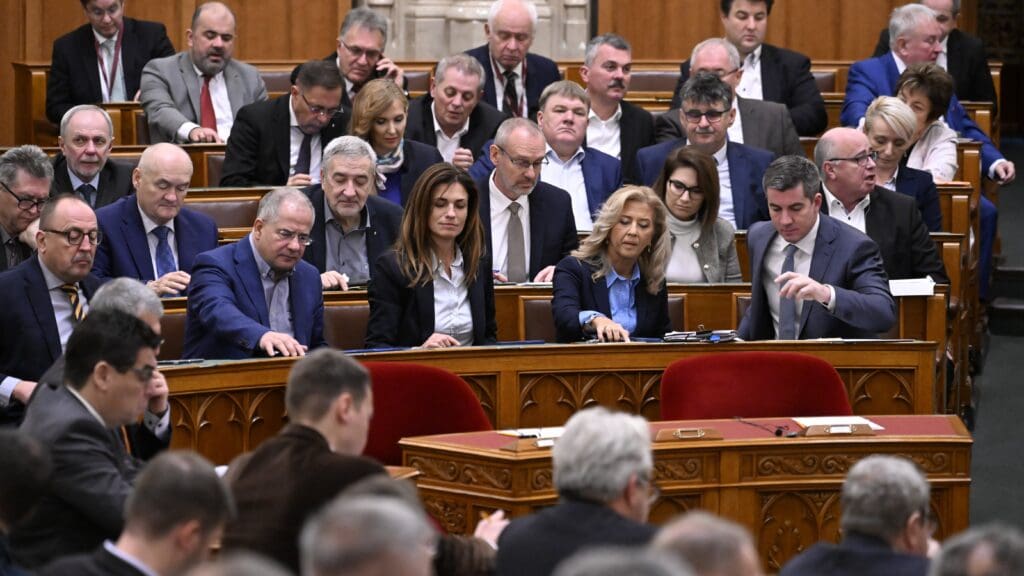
(150, 236)
(83, 166)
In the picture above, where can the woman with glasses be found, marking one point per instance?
(613, 288)
(435, 288)
(890, 126)
(379, 114)
(927, 89)
(703, 245)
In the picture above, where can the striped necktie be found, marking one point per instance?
(77, 312)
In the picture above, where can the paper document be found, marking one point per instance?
(912, 287)
(544, 433)
(835, 421)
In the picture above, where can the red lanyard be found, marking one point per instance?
(109, 81)
(497, 73)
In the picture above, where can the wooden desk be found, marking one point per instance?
(784, 490)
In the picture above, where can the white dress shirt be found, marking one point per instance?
(725, 203)
(942, 60)
(445, 145)
(605, 135)
(221, 107)
(148, 225)
(568, 176)
(452, 312)
(750, 82)
(856, 217)
(499, 227)
(771, 267)
(736, 130)
(315, 147)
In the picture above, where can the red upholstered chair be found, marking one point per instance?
(751, 385)
(416, 400)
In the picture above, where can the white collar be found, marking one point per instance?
(614, 117)
(720, 155)
(437, 125)
(100, 38)
(832, 200)
(88, 407)
(148, 224)
(576, 157)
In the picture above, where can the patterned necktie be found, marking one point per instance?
(77, 313)
(302, 163)
(88, 193)
(511, 102)
(164, 256)
(787, 306)
(207, 117)
(516, 267)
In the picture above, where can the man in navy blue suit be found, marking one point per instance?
(150, 236)
(257, 296)
(515, 78)
(707, 114)
(812, 277)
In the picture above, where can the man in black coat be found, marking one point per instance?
(83, 166)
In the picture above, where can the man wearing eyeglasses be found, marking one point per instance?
(258, 297)
(707, 114)
(48, 295)
(25, 176)
(360, 54)
(311, 115)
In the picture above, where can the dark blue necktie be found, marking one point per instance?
(164, 256)
(88, 193)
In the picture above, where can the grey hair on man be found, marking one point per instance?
(786, 172)
(610, 39)
(906, 18)
(880, 494)
(510, 125)
(29, 158)
(129, 296)
(270, 204)
(711, 545)
(366, 19)
(352, 148)
(730, 49)
(994, 549)
(613, 561)
(600, 452)
(705, 88)
(66, 119)
(496, 7)
(463, 63)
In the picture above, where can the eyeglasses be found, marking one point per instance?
(713, 116)
(25, 204)
(74, 236)
(320, 110)
(524, 164)
(679, 188)
(287, 236)
(144, 374)
(357, 52)
(653, 491)
(860, 159)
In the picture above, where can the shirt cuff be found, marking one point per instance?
(7, 389)
(184, 130)
(831, 299)
(588, 315)
(992, 168)
(158, 425)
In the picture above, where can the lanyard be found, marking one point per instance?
(109, 81)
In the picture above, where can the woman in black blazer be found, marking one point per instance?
(613, 287)
(435, 288)
(379, 114)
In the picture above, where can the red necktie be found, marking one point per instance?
(207, 117)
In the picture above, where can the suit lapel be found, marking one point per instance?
(39, 298)
(600, 285)
(538, 229)
(90, 64)
(591, 181)
(318, 250)
(105, 195)
(751, 122)
(297, 304)
(771, 75)
(188, 73)
(281, 125)
(892, 73)
(427, 122)
(484, 192)
(135, 236)
(476, 304)
(739, 176)
(425, 309)
(188, 248)
(130, 52)
(249, 275)
(236, 88)
(820, 261)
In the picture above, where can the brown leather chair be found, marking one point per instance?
(172, 329)
(742, 302)
(418, 82)
(825, 79)
(229, 213)
(345, 325)
(141, 128)
(278, 82)
(214, 167)
(654, 80)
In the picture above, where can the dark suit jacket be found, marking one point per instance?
(534, 545)
(920, 186)
(280, 484)
(785, 78)
(29, 341)
(746, 170)
(404, 316)
(385, 224)
(766, 125)
(869, 79)
(967, 63)
(99, 563)
(483, 123)
(91, 480)
(74, 76)
(125, 248)
(7, 565)
(856, 555)
(227, 310)
(115, 181)
(894, 223)
(417, 157)
(575, 290)
(540, 72)
(552, 225)
(636, 130)
(259, 149)
(844, 258)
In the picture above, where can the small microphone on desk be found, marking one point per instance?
(778, 431)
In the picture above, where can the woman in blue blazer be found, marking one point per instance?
(379, 114)
(613, 287)
(435, 288)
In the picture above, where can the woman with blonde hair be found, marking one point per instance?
(613, 286)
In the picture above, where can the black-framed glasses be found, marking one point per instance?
(25, 204)
(713, 116)
(74, 236)
(288, 235)
(860, 159)
(680, 187)
(523, 164)
(144, 374)
(357, 52)
(319, 110)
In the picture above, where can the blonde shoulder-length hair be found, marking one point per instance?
(653, 260)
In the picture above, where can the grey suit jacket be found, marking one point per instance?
(716, 253)
(170, 93)
(766, 125)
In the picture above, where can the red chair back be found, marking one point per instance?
(416, 400)
(752, 385)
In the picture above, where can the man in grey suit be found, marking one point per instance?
(194, 96)
(759, 123)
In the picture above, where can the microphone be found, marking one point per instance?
(778, 431)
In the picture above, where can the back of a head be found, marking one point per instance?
(240, 563)
(110, 336)
(25, 469)
(879, 495)
(905, 19)
(709, 544)
(127, 295)
(622, 562)
(994, 549)
(599, 452)
(318, 73)
(318, 379)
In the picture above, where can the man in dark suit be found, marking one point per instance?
(515, 77)
(102, 61)
(758, 123)
(615, 126)
(293, 475)
(812, 277)
(83, 166)
(707, 114)
(49, 294)
(268, 148)
(770, 73)
(25, 176)
(452, 117)
(360, 57)
(352, 226)
(110, 360)
(608, 508)
(525, 244)
(886, 524)
(963, 55)
(891, 219)
(257, 296)
(27, 469)
(150, 236)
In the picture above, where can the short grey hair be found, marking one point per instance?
(351, 148)
(364, 17)
(127, 295)
(1005, 543)
(894, 112)
(66, 119)
(496, 7)
(734, 54)
(906, 18)
(240, 563)
(599, 452)
(711, 545)
(353, 532)
(621, 561)
(270, 204)
(880, 494)
(510, 125)
(30, 159)
(609, 39)
(707, 89)
(463, 63)
(785, 172)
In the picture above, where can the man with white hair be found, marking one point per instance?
(994, 549)
(84, 166)
(604, 475)
(713, 546)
